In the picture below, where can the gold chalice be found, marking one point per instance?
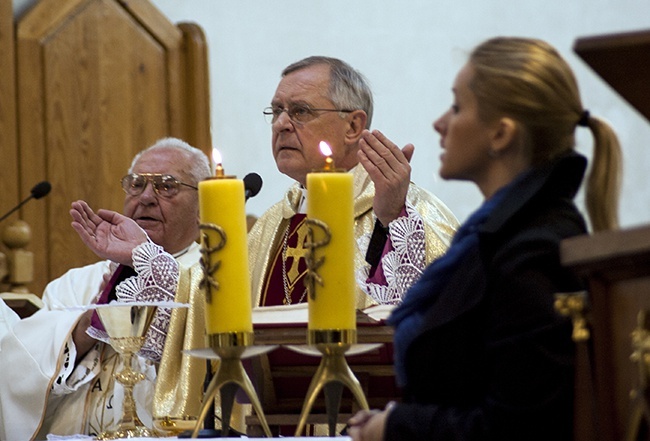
(127, 325)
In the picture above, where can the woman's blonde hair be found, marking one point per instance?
(528, 81)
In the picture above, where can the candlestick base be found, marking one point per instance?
(332, 374)
(230, 349)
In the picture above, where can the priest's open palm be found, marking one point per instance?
(390, 170)
(107, 233)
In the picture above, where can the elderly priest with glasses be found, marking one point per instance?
(57, 373)
(399, 227)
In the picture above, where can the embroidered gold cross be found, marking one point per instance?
(297, 253)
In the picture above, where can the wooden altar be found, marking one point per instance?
(613, 366)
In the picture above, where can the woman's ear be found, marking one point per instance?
(503, 135)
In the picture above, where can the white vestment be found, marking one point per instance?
(8, 318)
(35, 351)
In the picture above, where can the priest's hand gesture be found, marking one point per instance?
(107, 233)
(390, 170)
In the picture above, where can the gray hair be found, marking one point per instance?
(199, 163)
(348, 88)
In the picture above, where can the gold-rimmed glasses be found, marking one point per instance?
(164, 185)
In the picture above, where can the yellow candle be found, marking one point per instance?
(221, 202)
(330, 200)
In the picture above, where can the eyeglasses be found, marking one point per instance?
(164, 185)
(297, 113)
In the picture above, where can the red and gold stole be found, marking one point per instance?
(285, 284)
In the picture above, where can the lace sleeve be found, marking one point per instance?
(403, 259)
(157, 279)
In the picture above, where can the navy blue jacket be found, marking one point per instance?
(494, 361)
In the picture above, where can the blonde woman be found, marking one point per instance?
(479, 350)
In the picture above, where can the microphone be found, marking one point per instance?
(252, 185)
(38, 191)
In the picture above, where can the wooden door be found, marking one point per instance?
(97, 81)
(8, 144)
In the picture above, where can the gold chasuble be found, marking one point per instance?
(277, 260)
(267, 238)
(179, 385)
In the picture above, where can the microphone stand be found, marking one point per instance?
(6, 215)
(38, 191)
(208, 425)
(208, 430)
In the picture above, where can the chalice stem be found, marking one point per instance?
(127, 326)
(128, 378)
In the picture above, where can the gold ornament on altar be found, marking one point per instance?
(574, 305)
(640, 395)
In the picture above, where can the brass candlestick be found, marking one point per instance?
(332, 374)
(230, 348)
(127, 326)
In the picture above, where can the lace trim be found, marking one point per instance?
(157, 279)
(403, 264)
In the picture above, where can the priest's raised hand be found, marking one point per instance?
(107, 233)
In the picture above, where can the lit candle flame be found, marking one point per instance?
(327, 151)
(216, 159)
(325, 148)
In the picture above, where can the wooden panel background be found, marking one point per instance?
(8, 145)
(96, 81)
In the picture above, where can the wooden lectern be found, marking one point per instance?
(623, 61)
(612, 390)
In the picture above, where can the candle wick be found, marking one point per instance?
(219, 171)
(329, 163)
